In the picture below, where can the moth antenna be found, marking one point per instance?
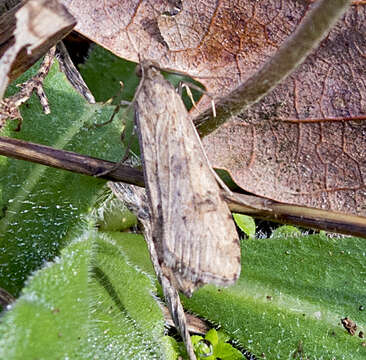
(217, 177)
(116, 109)
(188, 87)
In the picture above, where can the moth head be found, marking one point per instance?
(145, 67)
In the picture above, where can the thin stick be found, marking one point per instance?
(314, 27)
(326, 119)
(9, 106)
(6, 298)
(67, 160)
(72, 73)
(277, 212)
(136, 200)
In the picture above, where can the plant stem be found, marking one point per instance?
(67, 160)
(311, 31)
(248, 204)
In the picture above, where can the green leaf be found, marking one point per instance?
(292, 289)
(196, 339)
(223, 337)
(136, 250)
(95, 300)
(226, 351)
(202, 348)
(212, 337)
(90, 304)
(220, 349)
(285, 230)
(41, 206)
(103, 72)
(112, 215)
(171, 347)
(246, 224)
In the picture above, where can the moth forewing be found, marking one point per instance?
(197, 242)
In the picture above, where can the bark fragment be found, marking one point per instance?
(27, 31)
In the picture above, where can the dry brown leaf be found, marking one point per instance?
(322, 163)
(314, 164)
(27, 31)
(225, 41)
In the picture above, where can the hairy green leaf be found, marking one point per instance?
(40, 206)
(293, 289)
(91, 303)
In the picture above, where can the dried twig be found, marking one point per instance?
(27, 32)
(314, 27)
(72, 73)
(6, 298)
(279, 212)
(9, 107)
(195, 324)
(136, 200)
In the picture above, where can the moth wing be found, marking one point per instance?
(196, 239)
(202, 246)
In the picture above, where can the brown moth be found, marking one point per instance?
(187, 224)
(194, 235)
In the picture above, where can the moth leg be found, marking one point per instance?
(140, 70)
(128, 147)
(117, 108)
(119, 163)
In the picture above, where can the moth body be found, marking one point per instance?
(192, 227)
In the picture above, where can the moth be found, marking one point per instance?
(191, 225)
(187, 224)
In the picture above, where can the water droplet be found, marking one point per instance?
(204, 348)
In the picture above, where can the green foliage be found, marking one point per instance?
(246, 224)
(285, 230)
(111, 215)
(292, 289)
(214, 346)
(93, 296)
(211, 347)
(41, 206)
(89, 304)
(103, 73)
